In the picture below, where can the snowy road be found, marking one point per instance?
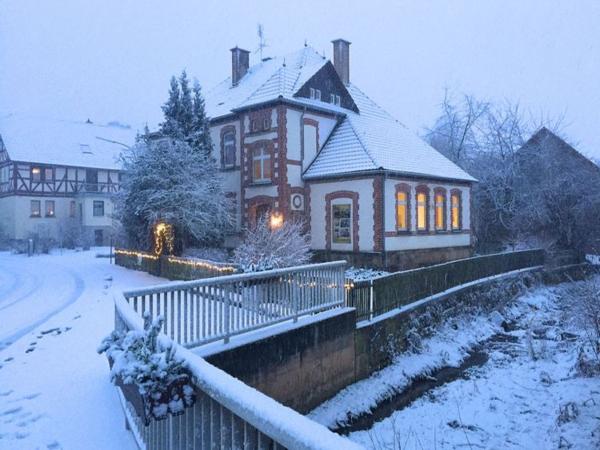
(54, 387)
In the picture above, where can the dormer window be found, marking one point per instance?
(315, 94)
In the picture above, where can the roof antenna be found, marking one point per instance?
(262, 42)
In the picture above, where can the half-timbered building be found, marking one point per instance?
(54, 171)
(297, 139)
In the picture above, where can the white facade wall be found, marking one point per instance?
(318, 225)
(432, 240)
(15, 215)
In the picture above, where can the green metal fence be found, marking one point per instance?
(382, 294)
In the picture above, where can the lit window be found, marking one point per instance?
(98, 208)
(455, 210)
(36, 174)
(48, 174)
(440, 211)
(342, 224)
(261, 165)
(402, 211)
(229, 149)
(36, 208)
(49, 208)
(421, 211)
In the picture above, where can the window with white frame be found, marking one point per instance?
(261, 164)
(98, 210)
(50, 211)
(341, 223)
(36, 208)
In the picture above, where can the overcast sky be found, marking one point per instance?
(112, 59)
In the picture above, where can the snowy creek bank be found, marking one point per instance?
(510, 378)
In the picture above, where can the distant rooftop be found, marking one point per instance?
(63, 142)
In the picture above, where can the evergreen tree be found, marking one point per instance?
(185, 106)
(200, 135)
(172, 112)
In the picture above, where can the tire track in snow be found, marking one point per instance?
(16, 278)
(35, 287)
(72, 298)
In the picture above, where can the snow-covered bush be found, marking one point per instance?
(161, 378)
(264, 248)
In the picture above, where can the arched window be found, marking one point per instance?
(422, 208)
(440, 209)
(261, 164)
(455, 209)
(229, 149)
(402, 207)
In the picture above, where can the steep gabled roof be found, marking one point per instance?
(63, 142)
(545, 140)
(266, 81)
(366, 138)
(374, 140)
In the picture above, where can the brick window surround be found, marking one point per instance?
(458, 194)
(422, 189)
(353, 197)
(405, 188)
(440, 191)
(228, 130)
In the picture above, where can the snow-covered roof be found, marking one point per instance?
(63, 142)
(375, 140)
(368, 140)
(276, 77)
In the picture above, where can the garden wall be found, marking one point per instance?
(171, 267)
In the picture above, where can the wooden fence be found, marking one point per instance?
(227, 414)
(202, 311)
(382, 294)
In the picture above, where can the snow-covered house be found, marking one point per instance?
(54, 173)
(295, 138)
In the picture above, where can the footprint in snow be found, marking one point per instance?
(11, 411)
(6, 393)
(31, 396)
(53, 446)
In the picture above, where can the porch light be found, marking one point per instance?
(276, 220)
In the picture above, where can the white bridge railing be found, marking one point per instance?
(203, 311)
(227, 414)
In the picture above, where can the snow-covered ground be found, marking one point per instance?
(55, 391)
(514, 400)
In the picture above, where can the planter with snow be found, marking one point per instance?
(149, 375)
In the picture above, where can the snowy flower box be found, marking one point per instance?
(149, 375)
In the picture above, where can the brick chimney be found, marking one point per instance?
(341, 59)
(240, 61)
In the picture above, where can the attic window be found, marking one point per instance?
(335, 99)
(315, 94)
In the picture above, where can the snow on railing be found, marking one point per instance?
(202, 311)
(228, 414)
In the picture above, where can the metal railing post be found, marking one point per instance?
(371, 299)
(226, 313)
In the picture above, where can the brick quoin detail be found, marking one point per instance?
(283, 188)
(378, 213)
(243, 211)
(355, 218)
